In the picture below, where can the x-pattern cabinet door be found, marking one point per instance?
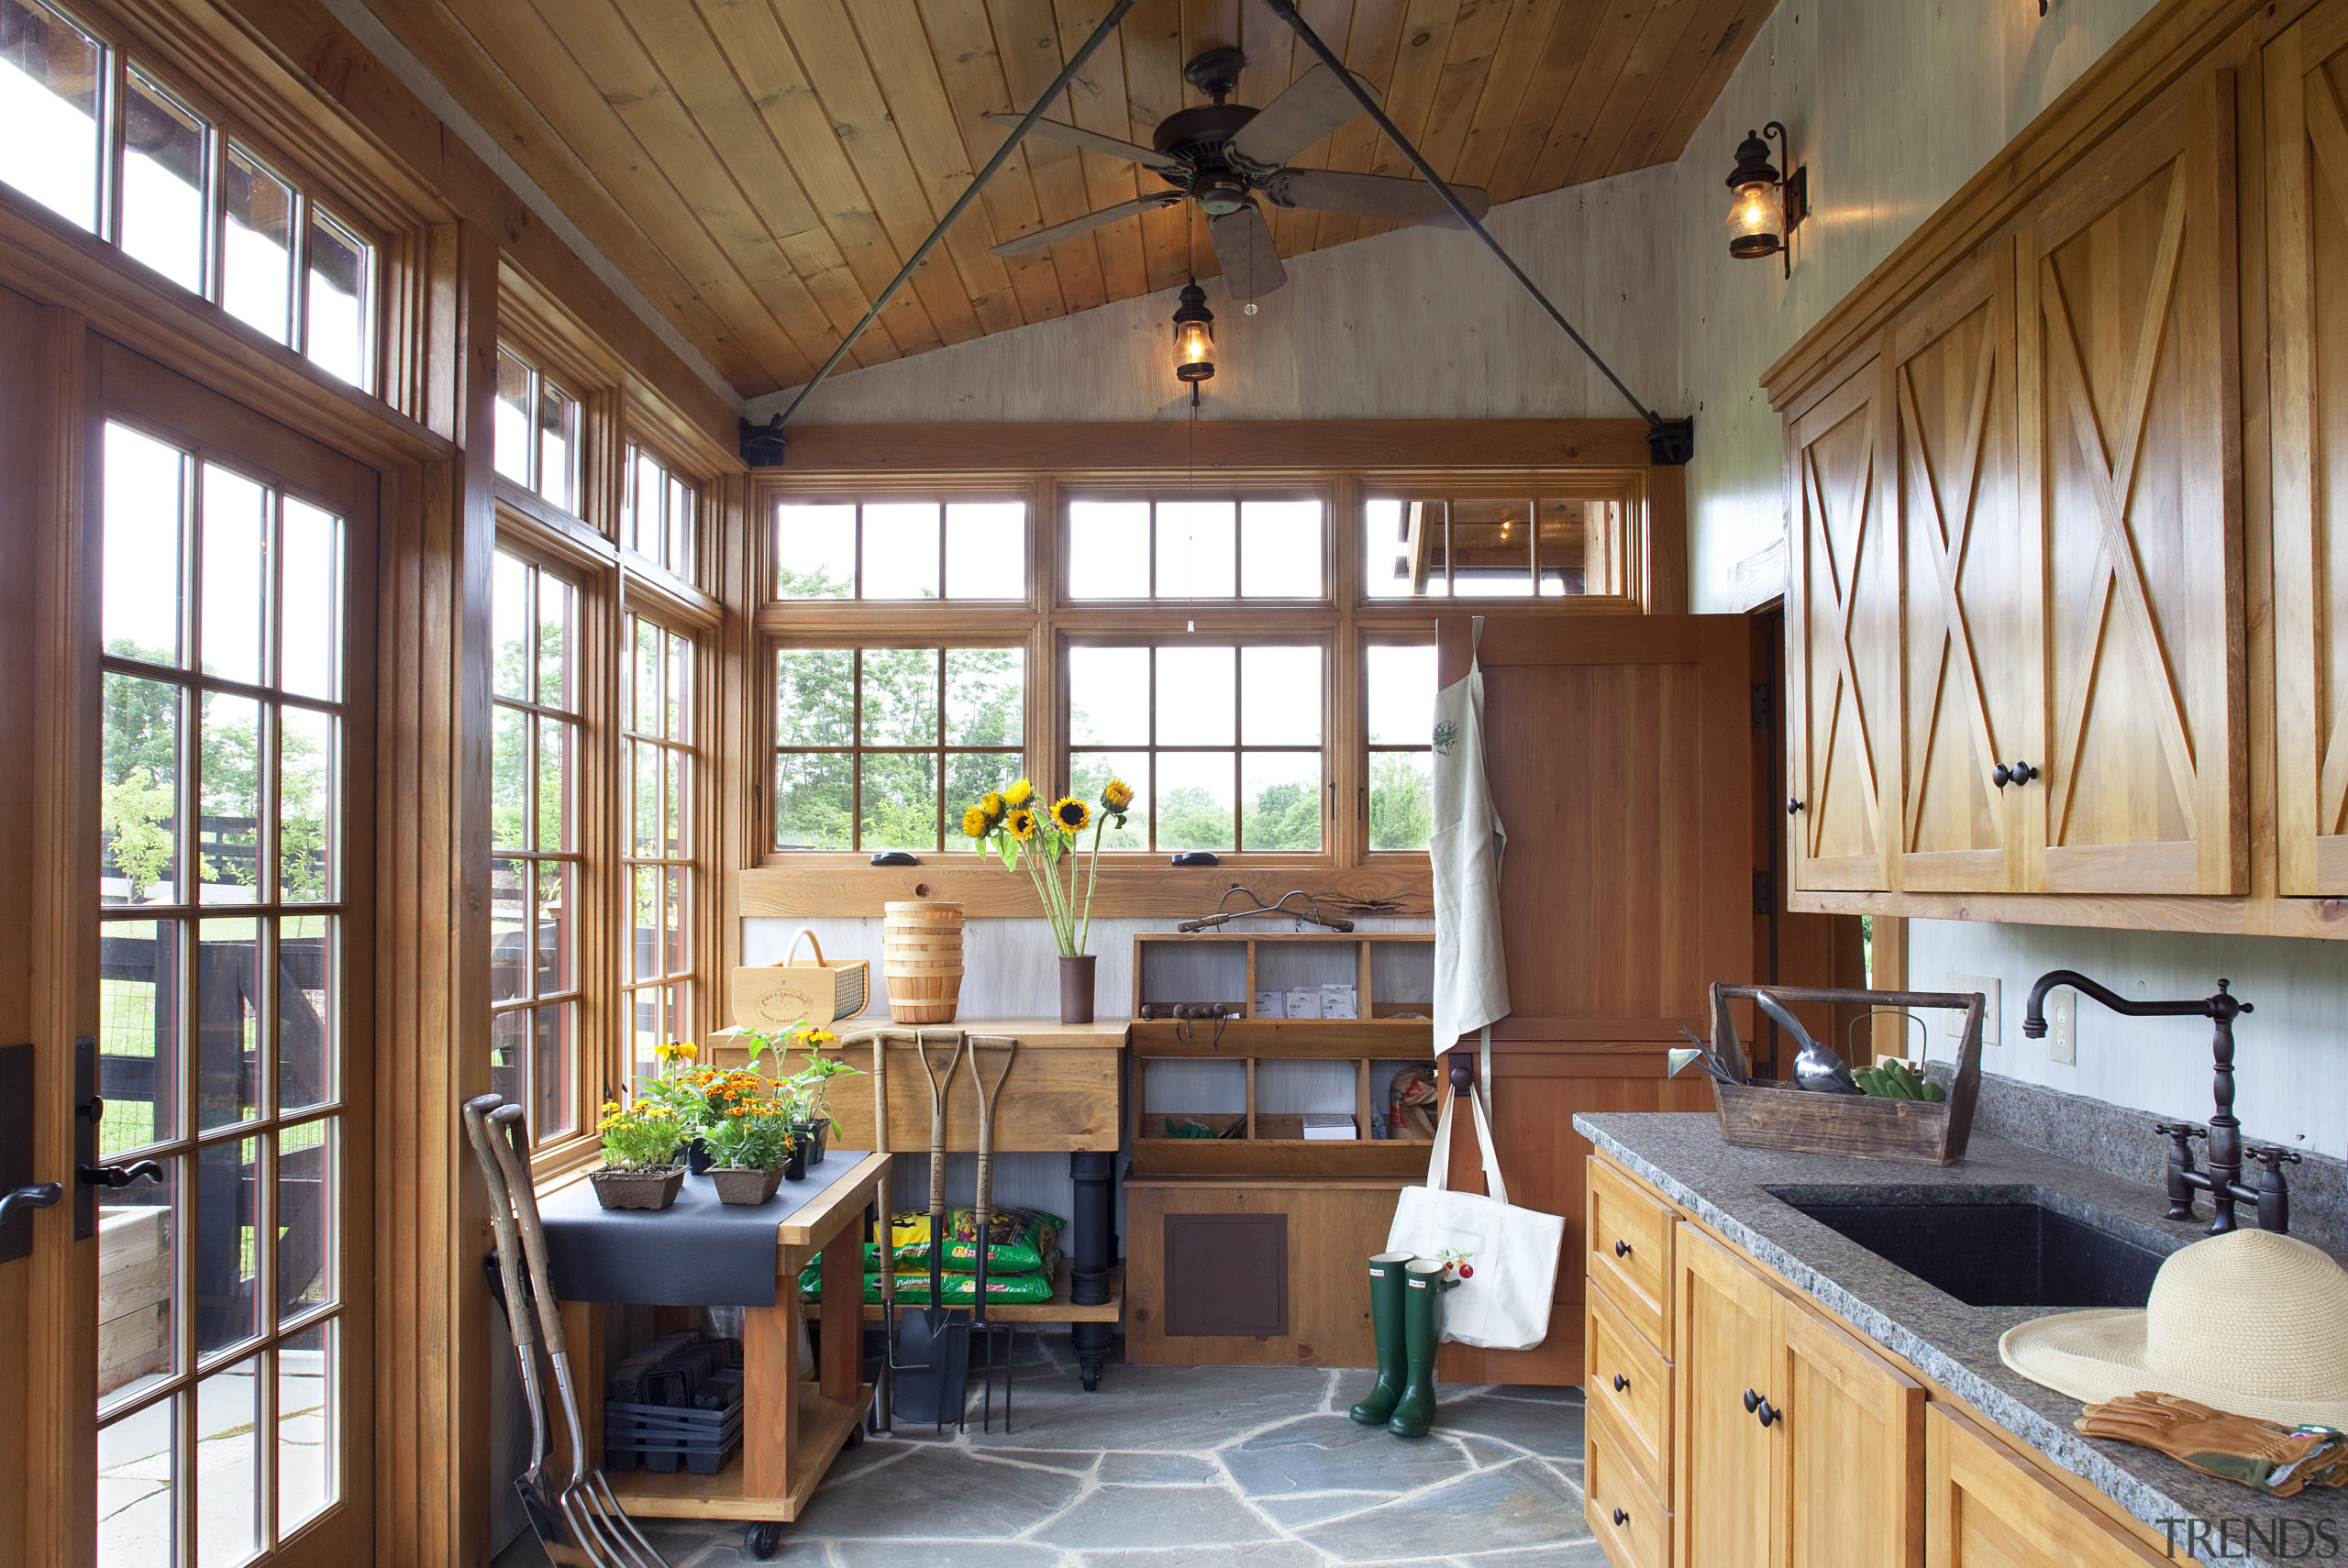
(2131, 456)
(1970, 674)
(1842, 627)
(2306, 179)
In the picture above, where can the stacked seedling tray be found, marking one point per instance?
(675, 1405)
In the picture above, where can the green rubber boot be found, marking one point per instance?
(1386, 1316)
(1424, 1285)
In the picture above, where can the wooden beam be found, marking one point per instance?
(1167, 447)
(854, 891)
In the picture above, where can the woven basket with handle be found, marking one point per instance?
(771, 998)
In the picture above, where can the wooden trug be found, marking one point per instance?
(1910, 1131)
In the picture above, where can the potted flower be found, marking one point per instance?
(1023, 833)
(639, 1155)
(751, 1145)
(812, 1085)
(697, 1097)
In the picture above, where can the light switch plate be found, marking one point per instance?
(2062, 1025)
(1988, 986)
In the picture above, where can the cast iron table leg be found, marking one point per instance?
(1088, 1272)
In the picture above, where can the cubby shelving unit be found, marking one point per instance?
(1248, 1077)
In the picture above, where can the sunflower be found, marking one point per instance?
(991, 803)
(1019, 794)
(1021, 824)
(675, 1051)
(974, 823)
(1070, 815)
(1117, 796)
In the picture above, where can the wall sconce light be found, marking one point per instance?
(1766, 209)
(1194, 339)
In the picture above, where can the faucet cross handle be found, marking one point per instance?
(2274, 1157)
(2179, 1130)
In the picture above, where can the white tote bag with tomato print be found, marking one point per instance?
(1507, 1256)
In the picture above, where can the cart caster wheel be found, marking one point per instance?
(856, 1435)
(1092, 1384)
(765, 1539)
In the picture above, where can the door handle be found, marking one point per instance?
(118, 1175)
(42, 1194)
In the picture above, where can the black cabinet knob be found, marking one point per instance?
(2001, 776)
(1751, 1400)
(1622, 1249)
(2021, 773)
(1620, 1519)
(1768, 1415)
(1621, 1383)
(1792, 805)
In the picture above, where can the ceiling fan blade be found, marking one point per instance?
(1372, 195)
(1093, 140)
(1061, 231)
(1243, 243)
(1314, 105)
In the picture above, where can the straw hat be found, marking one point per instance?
(2250, 1322)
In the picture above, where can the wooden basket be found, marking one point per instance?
(920, 958)
(771, 997)
(1910, 1132)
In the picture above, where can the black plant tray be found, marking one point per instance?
(664, 1438)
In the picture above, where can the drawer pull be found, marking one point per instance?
(1621, 1383)
(1622, 1249)
(1620, 1519)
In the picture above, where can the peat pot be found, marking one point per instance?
(654, 1188)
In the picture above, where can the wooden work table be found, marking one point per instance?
(791, 1428)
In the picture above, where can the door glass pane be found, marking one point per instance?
(136, 1339)
(305, 1195)
(139, 1034)
(1280, 549)
(135, 1481)
(228, 1466)
(227, 1306)
(341, 276)
(310, 601)
(306, 965)
(228, 844)
(162, 183)
(1197, 544)
(1108, 549)
(257, 252)
(305, 1420)
(227, 1010)
(139, 792)
(236, 566)
(306, 771)
(901, 550)
(146, 512)
(49, 76)
(986, 549)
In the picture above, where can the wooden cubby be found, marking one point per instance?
(1247, 1075)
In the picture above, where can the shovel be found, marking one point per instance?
(884, 1384)
(934, 1341)
(984, 1215)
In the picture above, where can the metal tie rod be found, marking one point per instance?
(1060, 84)
(1670, 441)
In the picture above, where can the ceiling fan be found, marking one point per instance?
(1221, 155)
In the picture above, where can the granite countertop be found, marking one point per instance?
(1954, 1344)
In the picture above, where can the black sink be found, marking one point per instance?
(1998, 1254)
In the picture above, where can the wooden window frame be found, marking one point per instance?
(1049, 465)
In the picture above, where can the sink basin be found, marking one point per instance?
(2008, 1253)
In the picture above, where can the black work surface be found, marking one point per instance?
(695, 1253)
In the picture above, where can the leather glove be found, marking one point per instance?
(2276, 1459)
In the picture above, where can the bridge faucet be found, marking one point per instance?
(2222, 1181)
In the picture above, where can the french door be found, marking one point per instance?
(229, 1368)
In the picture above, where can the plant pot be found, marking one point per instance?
(1076, 988)
(814, 1134)
(744, 1185)
(795, 1167)
(696, 1156)
(638, 1189)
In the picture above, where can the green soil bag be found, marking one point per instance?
(1014, 1288)
(1020, 1241)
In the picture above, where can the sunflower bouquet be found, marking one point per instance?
(1024, 832)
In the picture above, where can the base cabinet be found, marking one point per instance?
(1986, 1509)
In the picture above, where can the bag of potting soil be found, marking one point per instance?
(959, 1287)
(1020, 1241)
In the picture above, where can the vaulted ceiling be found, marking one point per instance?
(761, 169)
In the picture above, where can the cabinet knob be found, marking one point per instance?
(2021, 773)
(1620, 1519)
(1792, 805)
(1622, 1249)
(1621, 1383)
(1752, 1401)
(2001, 776)
(1768, 1415)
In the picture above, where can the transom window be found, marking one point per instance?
(1490, 547)
(537, 431)
(658, 518)
(1193, 549)
(880, 748)
(178, 192)
(901, 548)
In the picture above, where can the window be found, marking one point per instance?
(901, 549)
(656, 520)
(1490, 547)
(222, 1009)
(537, 432)
(1221, 742)
(536, 869)
(194, 201)
(658, 780)
(880, 748)
(1399, 686)
(1268, 548)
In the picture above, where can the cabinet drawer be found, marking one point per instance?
(1630, 1379)
(1622, 1510)
(1629, 1238)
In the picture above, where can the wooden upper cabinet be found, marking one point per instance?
(2131, 471)
(1843, 626)
(1971, 671)
(2307, 206)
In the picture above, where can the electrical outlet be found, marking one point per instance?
(2062, 1025)
(1988, 986)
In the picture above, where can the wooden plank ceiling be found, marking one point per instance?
(761, 168)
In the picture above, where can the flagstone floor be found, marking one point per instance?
(1191, 1467)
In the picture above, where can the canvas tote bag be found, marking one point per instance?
(1510, 1254)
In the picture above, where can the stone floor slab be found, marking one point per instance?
(1313, 1508)
(1270, 1554)
(1518, 1505)
(1156, 1407)
(1157, 1470)
(1113, 1516)
(940, 1553)
(947, 1493)
(1552, 1429)
(1328, 1454)
(1571, 1554)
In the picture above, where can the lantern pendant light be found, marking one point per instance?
(1766, 209)
(1194, 339)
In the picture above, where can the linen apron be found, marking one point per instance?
(1465, 846)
